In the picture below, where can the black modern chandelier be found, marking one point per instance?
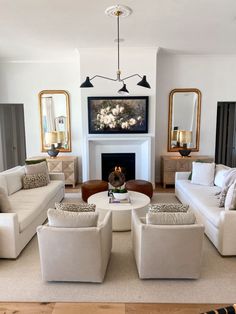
(118, 11)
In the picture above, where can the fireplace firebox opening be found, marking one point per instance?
(122, 161)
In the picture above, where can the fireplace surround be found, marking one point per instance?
(141, 146)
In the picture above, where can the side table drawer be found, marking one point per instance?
(55, 166)
(170, 165)
(169, 177)
(69, 177)
(184, 165)
(68, 166)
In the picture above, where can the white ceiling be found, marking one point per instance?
(50, 29)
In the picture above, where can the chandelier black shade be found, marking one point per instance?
(118, 11)
(144, 82)
(86, 83)
(123, 90)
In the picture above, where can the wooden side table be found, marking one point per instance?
(67, 165)
(172, 164)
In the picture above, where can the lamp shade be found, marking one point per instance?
(185, 136)
(86, 83)
(175, 135)
(61, 136)
(51, 138)
(123, 90)
(144, 82)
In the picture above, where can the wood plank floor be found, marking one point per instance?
(106, 308)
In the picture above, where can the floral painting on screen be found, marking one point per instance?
(118, 114)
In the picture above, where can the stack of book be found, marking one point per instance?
(113, 200)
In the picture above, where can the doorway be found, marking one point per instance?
(226, 134)
(12, 136)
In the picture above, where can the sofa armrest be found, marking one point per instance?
(182, 175)
(106, 240)
(227, 232)
(57, 176)
(9, 231)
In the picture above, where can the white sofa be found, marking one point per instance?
(76, 254)
(29, 209)
(220, 225)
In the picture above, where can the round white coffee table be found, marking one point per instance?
(121, 213)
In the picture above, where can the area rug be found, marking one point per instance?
(20, 279)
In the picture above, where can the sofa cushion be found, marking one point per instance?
(28, 204)
(32, 181)
(220, 172)
(71, 207)
(14, 179)
(66, 219)
(167, 207)
(170, 218)
(230, 200)
(203, 173)
(5, 205)
(38, 168)
(202, 199)
(3, 183)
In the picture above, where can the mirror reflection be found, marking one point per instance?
(55, 120)
(184, 119)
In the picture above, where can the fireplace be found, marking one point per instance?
(140, 146)
(126, 161)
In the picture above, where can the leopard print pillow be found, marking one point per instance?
(71, 207)
(32, 181)
(171, 207)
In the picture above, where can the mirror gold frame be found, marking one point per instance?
(50, 93)
(196, 139)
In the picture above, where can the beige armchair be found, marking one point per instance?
(75, 254)
(167, 251)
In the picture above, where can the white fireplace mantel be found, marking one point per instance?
(140, 145)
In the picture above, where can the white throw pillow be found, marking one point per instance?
(230, 200)
(203, 173)
(170, 218)
(5, 205)
(14, 180)
(220, 172)
(66, 219)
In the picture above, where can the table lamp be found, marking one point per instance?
(185, 137)
(51, 138)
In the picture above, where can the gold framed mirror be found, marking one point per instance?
(184, 119)
(54, 109)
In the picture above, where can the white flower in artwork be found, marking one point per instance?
(115, 112)
(132, 121)
(103, 111)
(124, 125)
(108, 108)
(122, 109)
(107, 120)
(139, 118)
(112, 125)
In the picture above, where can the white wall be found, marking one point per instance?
(214, 76)
(21, 83)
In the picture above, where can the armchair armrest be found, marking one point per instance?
(57, 176)
(182, 175)
(9, 231)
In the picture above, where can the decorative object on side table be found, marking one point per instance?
(54, 138)
(185, 152)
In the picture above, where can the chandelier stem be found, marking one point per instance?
(118, 40)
